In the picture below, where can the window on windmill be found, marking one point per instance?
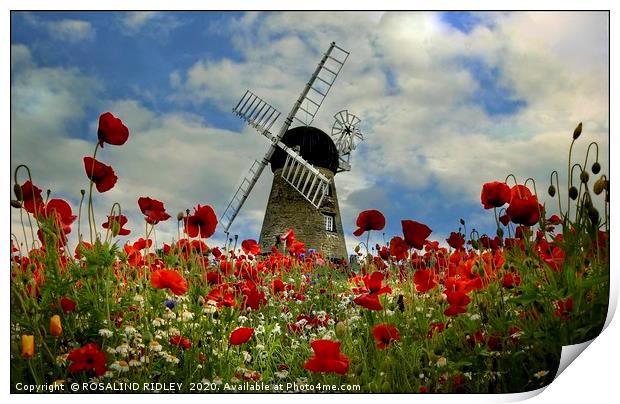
(329, 222)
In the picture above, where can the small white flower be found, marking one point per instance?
(130, 330)
(155, 346)
(158, 322)
(540, 374)
(138, 298)
(217, 380)
(246, 356)
(441, 362)
(242, 319)
(474, 317)
(122, 349)
(282, 374)
(120, 366)
(276, 330)
(104, 332)
(135, 363)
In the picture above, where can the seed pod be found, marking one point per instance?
(180, 216)
(577, 131)
(16, 204)
(573, 193)
(584, 176)
(596, 167)
(599, 186)
(551, 191)
(17, 189)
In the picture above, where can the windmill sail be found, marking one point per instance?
(251, 107)
(321, 83)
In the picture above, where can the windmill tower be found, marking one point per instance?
(304, 161)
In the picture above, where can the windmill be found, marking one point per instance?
(304, 160)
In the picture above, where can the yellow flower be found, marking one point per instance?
(55, 326)
(27, 346)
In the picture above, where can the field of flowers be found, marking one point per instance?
(472, 314)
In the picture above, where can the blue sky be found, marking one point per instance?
(448, 101)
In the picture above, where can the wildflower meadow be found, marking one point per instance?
(473, 313)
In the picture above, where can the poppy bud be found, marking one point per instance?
(593, 215)
(341, 329)
(462, 222)
(551, 191)
(577, 131)
(55, 326)
(584, 176)
(16, 204)
(500, 233)
(27, 346)
(573, 193)
(596, 167)
(599, 186)
(357, 248)
(17, 189)
(83, 192)
(180, 216)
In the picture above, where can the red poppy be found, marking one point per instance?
(458, 301)
(253, 297)
(524, 211)
(111, 130)
(31, 196)
(456, 240)
(368, 301)
(277, 286)
(511, 280)
(169, 279)
(141, 244)
(61, 211)
(495, 194)
(554, 219)
(384, 334)
(81, 248)
(327, 358)
(435, 328)
(89, 357)
(181, 341)
(415, 233)
(398, 248)
(369, 220)
(424, 280)
(67, 304)
(153, 210)
(102, 175)
(116, 223)
(297, 248)
(241, 335)
(250, 247)
(202, 222)
(289, 237)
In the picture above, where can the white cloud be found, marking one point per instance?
(148, 22)
(68, 29)
(71, 30)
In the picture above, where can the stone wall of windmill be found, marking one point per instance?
(287, 209)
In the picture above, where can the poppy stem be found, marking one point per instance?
(557, 182)
(91, 211)
(570, 175)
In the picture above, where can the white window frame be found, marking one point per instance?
(328, 222)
